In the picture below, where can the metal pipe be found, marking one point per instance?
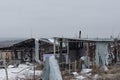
(37, 51)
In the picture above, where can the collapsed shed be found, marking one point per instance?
(67, 51)
(93, 51)
(6, 51)
(29, 50)
(35, 48)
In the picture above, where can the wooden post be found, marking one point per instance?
(68, 55)
(87, 54)
(5, 66)
(115, 52)
(75, 65)
(93, 55)
(54, 46)
(34, 69)
(61, 55)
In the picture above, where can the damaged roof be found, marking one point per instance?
(87, 39)
(23, 43)
(8, 43)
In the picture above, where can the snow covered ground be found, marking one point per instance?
(22, 71)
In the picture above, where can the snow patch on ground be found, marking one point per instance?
(22, 71)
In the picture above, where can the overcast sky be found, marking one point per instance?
(49, 18)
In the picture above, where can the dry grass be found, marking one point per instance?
(39, 67)
(112, 74)
(110, 77)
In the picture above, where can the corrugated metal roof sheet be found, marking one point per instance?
(8, 43)
(88, 39)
